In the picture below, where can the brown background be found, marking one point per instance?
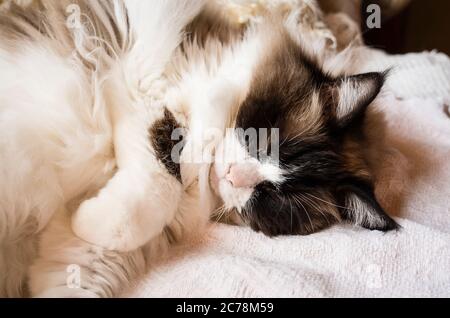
(423, 25)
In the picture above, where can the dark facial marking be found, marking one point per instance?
(283, 211)
(318, 167)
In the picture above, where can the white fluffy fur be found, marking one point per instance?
(73, 123)
(85, 136)
(75, 110)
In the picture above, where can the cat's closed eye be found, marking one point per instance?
(304, 182)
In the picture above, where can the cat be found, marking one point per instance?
(80, 89)
(269, 76)
(91, 93)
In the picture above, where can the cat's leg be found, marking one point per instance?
(72, 268)
(141, 199)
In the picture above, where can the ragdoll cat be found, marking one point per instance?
(90, 94)
(267, 77)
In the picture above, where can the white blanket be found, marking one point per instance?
(413, 184)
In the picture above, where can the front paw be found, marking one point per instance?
(108, 222)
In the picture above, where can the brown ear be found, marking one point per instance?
(362, 208)
(351, 95)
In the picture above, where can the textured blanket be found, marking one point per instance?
(411, 157)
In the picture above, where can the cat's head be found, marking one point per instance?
(317, 176)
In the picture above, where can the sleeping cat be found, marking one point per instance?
(88, 110)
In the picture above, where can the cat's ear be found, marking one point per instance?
(362, 207)
(351, 95)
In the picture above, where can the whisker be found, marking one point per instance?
(316, 207)
(306, 211)
(330, 203)
(290, 205)
(219, 213)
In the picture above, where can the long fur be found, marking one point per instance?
(89, 95)
(63, 143)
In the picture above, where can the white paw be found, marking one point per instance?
(109, 223)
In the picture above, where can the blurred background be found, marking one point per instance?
(407, 25)
(419, 25)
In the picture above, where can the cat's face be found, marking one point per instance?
(312, 174)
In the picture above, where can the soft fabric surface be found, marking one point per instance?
(412, 164)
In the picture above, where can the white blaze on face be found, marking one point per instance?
(245, 174)
(235, 173)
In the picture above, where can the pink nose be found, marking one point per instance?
(244, 175)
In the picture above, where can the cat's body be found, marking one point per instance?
(69, 107)
(86, 112)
